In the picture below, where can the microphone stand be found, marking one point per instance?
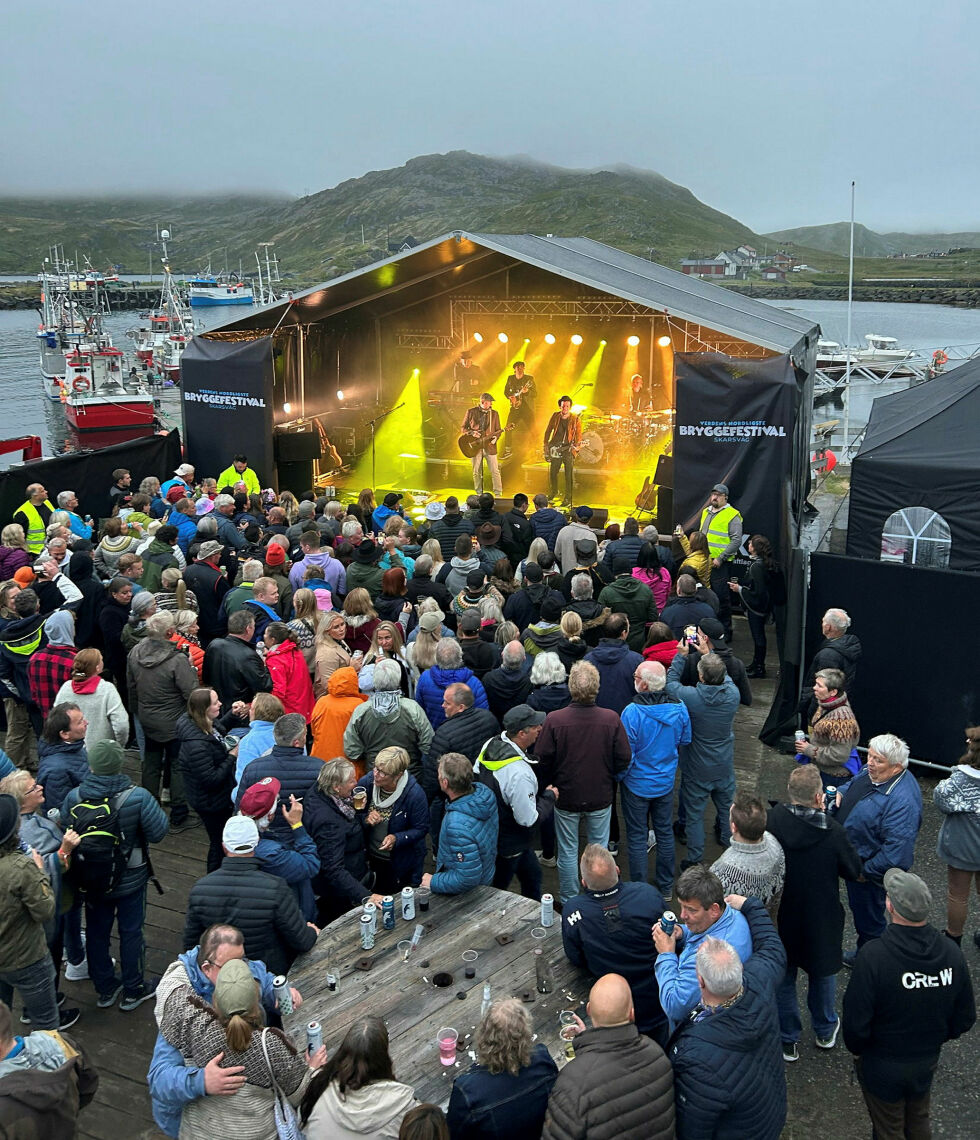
(372, 424)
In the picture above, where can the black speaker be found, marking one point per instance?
(665, 471)
(296, 477)
(297, 446)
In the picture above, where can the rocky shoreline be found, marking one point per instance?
(961, 298)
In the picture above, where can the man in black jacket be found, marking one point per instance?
(509, 684)
(232, 667)
(422, 585)
(909, 993)
(839, 649)
(711, 639)
(524, 606)
(479, 655)
(517, 532)
(209, 586)
(239, 894)
(289, 762)
(447, 529)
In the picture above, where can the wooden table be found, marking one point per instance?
(403, 993)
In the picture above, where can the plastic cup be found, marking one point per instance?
(566, 1017)
(469, 962)
(360, 798)
(446, 1039)
(422, 898)
(539, 932)
(404, 947)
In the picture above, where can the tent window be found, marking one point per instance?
(916, 536)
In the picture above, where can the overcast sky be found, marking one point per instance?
(764, 109)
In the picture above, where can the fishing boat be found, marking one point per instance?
(70, 313)
(99, 395)
(161, 343)
(207, 289)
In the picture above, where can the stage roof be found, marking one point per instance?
(421, 272)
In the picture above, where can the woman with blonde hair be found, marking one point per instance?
(306, 624)
(184, 636)
(97, 698)
(537, 548)
(331, 652)
(396, 823)
(233, 1025)
(290, 505)
(13, 550)
(572, 647)
(422, 651)
(387, 641)
(434, 550)
(367, 506)
(697, 556)
(362, 619)
(173, 594)
(505, 1092)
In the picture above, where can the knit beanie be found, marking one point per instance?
(105, 758)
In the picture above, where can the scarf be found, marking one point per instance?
(813, 816)
(89, 685)
(385, 702)
(344, 806)
(834, 702)
(382, 801)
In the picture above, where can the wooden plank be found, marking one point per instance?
(403, 993)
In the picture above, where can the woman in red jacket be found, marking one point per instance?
(661, 644)
(287, 667)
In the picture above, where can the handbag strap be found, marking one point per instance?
(265, 1051)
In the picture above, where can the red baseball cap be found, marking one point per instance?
(260, 798)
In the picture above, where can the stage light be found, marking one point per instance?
(415, 372)
(287, 407)
(527, 340)
(478, 337)
(633, 341)
(503, 338)
(340, 393)
(603, 342)
(663, 341)
(577, 338)
(549, 338)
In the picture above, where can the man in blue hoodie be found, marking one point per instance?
(616, 663)
(708, 762)
(656, 724)
(704, 914)
(63, 762)
(468, 837)
(173, 1083)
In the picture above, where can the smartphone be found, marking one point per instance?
(691, 634)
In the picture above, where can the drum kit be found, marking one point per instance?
(640, 433)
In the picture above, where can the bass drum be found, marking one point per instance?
(592, 449)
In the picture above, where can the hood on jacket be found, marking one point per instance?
(355, 621)
(63, 747)
(545, 634)
(717, 694)
(628, 585)
(343, 682)
(365, 1110)
(321, 558)
(37, 1051)
(465, 565)
(848, 646)
(610, 651)
(914, 948)
(479, 804)
(152, 652)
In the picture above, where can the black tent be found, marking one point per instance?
(921, 449)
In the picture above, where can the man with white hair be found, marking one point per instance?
(881, 812)
(228, 533)
(728, 1069)
(656, 724)
(840, 649)
(387, 718)
(236, 597)
(68, 502)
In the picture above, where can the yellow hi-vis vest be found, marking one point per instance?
(717, 532)
(35, 532)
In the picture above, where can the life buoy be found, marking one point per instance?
(81, 384)
(939, 358)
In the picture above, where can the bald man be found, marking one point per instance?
(620, 1085)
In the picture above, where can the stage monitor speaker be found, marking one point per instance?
(665, 512)
(665, 471)
(297, 446)
(296, 477)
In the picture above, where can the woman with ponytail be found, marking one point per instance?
(287, 667)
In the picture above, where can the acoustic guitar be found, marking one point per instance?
(469, 444)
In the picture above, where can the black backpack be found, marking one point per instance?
(99, 860)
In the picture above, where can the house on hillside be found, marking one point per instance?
(703, 266)
(773, 273)
(750, 254)
(783, 260)
(736, 264)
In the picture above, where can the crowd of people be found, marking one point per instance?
(349, 701)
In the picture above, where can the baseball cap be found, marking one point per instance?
(274, 555)
(393, 498)
(586, 548)
(522, 716)
(712, 628)
(240, 834)
(475, 580)
(184, 469)
(24, 576)
(208, 550)
(177, 493)
(259, 799)
(431, 621)
(721, 488)
(469, 621)
(910, 896)
(203, 506)
(235, 989)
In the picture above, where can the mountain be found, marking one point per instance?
(639, 211)
(835, 238)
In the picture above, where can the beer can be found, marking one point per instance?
(367, 934)
(372, 912)
(830, 798)
(547, 910)
(800, 736)
(314, 1037)
(331, 982)
(668, 920)
(408, 904)
(388, 912)
(283, 994)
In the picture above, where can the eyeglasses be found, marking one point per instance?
(35, 788)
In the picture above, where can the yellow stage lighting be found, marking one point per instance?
(578, 409)
(577, 338)
(502, 337)
(633, 341)
(549, 338)
(340, 393)
(603, 342)
(527, 340)
(478, 337)
(415, 372)
(663, 341)
(287, 407)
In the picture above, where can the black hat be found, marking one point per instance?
(551, 608)
(9, 817)
(533, 572)
(584, 513)
(392, 498)
(475, 580)
(622, 564)
(712, 628)
(522, 716)
(82, 546)
(585, 550)
(466, 355)
(367, 552)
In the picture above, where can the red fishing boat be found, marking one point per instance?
(99, 395)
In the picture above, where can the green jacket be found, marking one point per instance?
(367, 576)
(27, 902)
(630, 596)
(156, 558)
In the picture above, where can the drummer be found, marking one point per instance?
(639, 394)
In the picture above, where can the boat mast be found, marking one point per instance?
(847, 349)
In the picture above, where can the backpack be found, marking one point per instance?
(99, 860)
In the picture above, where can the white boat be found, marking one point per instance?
(100, 396)
(207, 289)
(882, 350)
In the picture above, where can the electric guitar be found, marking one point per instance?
(646, 500)
(517, 398)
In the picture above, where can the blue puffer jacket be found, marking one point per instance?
(296, 772)
(546, 524)
(409, 823)
(433, 684)
(142, 821)
(61, 767)
(186, 529)
(728, 1068)
(467, 843)
(616, 663)
(882, 822)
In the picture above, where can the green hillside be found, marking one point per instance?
(835, 237)
(638, 211)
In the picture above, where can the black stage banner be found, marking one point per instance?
(734, 425)
(89, 473)
(227, 397)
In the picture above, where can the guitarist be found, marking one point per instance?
(562, 440)
(521, 393)
(482, 424)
